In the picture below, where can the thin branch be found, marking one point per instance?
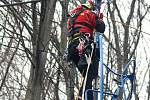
(119, 14)
(20, 3)
(8, 66)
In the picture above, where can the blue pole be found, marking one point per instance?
(97, 47)
(99, 43)
(101, 66)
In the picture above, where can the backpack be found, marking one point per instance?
(73, 17)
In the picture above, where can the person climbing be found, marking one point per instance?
(81, 24)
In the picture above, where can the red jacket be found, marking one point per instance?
(86, 22)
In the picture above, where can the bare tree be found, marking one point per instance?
(33, 38)
(125, 37)
(41, 48)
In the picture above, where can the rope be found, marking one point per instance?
(80, 87)
(85, 79)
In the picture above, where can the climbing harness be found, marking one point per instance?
(80, 47)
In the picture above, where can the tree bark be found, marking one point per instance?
(68, 70)
(40, 49)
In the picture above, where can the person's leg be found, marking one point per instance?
(95, 63)
(87, 53)
(74, 57)
(90, 76)
(92, 73)
(87, 86)
(73, 53)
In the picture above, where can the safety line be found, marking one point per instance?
(85, 78)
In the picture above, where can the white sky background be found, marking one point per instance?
(142, 56)
(143, 66)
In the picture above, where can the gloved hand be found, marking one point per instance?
(101, 16)
(100, 25)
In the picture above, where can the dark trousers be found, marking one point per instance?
(93, 69)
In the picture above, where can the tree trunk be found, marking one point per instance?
(40, 41)
(68, 70)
